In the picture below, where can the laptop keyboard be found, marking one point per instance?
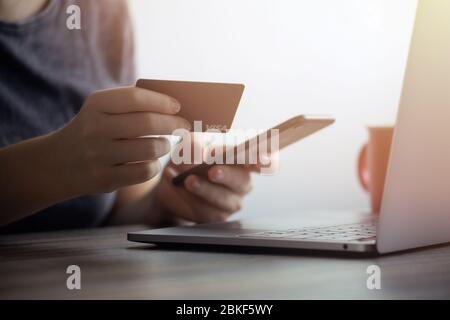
(347, 232)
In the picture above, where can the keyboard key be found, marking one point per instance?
(350, 232)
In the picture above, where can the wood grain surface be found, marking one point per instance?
(33, 266)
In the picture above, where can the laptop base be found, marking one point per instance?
(281, 233)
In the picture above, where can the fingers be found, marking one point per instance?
(235, 178)
(106, 132)
(133, 99)
(216, 195)
(114, 177)
(132, 125)
(189, 206)
(138, 172)
(140, 149)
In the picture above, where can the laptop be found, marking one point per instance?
(415, 210)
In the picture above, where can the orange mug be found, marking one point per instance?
(373, 161)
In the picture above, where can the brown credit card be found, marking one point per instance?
(215, 104)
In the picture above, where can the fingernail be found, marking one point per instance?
(218, 174)
(176, 105)
(196, 184)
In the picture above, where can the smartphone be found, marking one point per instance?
(289, 132)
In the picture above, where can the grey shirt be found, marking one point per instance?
(46, 72)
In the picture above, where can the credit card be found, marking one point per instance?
(214, 104)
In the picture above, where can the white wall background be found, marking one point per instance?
(345, 58)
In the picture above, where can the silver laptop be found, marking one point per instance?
(415, 209)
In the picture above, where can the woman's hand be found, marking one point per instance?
(211, 199)
(102, 148)
(204, 200)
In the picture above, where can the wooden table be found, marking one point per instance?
(33, 266)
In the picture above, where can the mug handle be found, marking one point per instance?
(363, 171)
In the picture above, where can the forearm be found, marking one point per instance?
(31, 178)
